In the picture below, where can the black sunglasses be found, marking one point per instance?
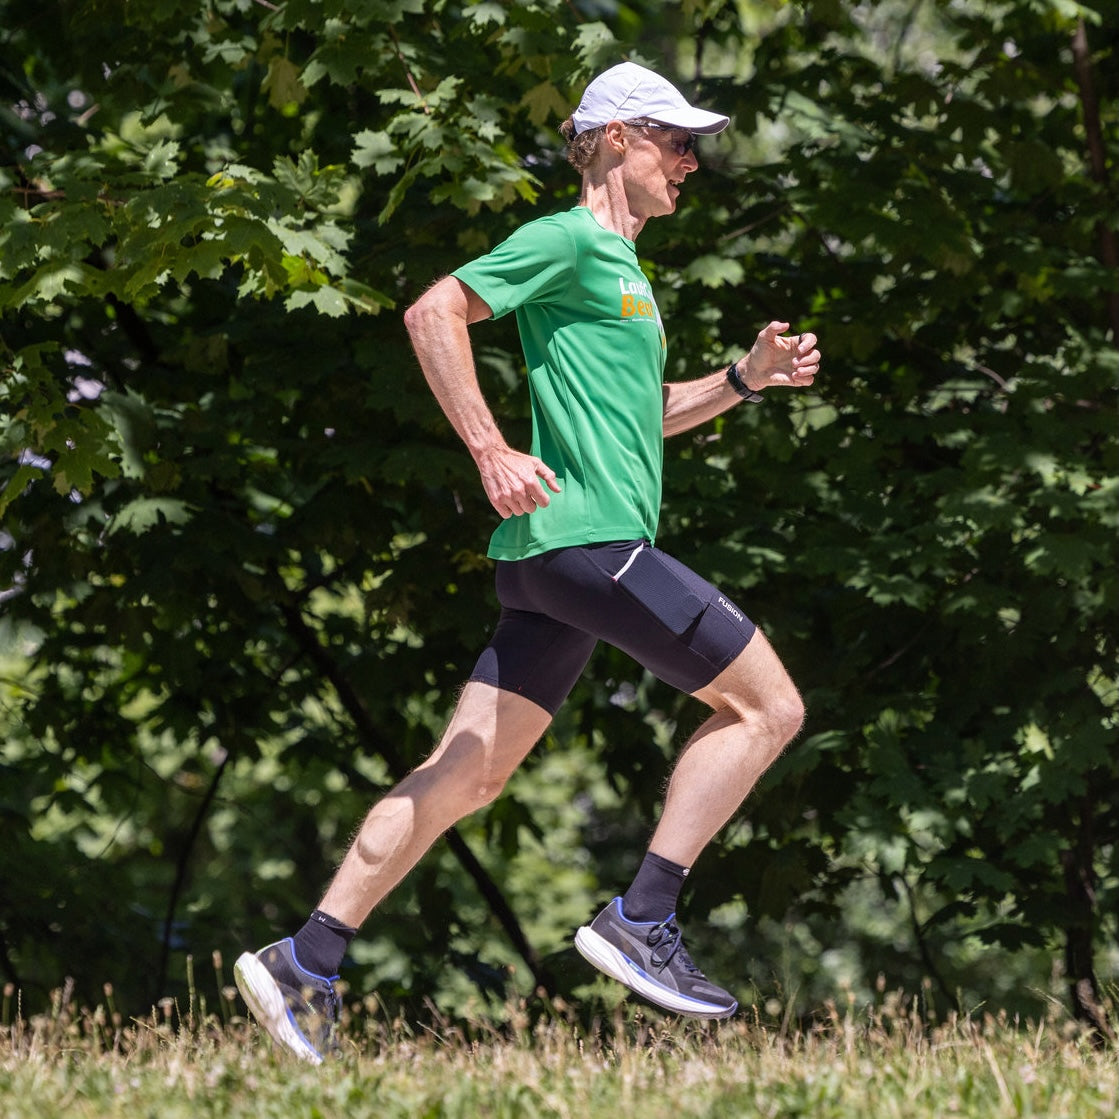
(681, 147)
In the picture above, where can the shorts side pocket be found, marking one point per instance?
(649, 581)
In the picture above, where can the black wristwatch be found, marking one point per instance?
(739, 385)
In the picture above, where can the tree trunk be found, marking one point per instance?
(1097, 159)
(1084, 992)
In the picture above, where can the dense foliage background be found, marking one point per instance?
(242, 561)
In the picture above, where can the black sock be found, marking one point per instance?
(652, 894)
(321, 944)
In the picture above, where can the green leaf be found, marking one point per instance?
(283, 86)
(160, 161)
(715, 271)
(376, 150)
(17, 484)
(326, 300)
(484, 12)
(145, 513)
(544, 103)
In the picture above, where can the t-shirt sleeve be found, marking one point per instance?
(536, 264)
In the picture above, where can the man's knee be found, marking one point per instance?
(757, 690)
(489, 735)
(483, 787)
(465, 774)
(773, 723)
(784, 712)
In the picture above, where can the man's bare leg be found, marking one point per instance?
(757, 712)
(287, 985)
(490, 734)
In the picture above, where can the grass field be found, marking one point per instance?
(871, 1063)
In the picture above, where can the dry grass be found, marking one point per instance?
(882, 1061)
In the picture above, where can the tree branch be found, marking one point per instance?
(922, 944)
(408, 73)
(181, 874)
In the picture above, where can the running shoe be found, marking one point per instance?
(649, 957)
(298, 1008)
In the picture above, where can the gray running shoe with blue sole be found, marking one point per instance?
(649, 957)
(298, 1009)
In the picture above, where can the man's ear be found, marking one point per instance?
(614, 136)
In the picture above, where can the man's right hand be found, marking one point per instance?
(512, 480)
(437, 326)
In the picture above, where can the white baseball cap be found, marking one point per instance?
(628, 91)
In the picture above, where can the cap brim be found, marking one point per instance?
(695, 120)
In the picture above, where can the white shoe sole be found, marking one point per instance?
(265, 999)
(610, 960)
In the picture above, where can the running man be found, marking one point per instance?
(575, 560)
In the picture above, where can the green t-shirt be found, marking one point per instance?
(595, 350)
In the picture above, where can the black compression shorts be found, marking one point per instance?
(555, 607)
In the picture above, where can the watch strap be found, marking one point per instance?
(734, 379)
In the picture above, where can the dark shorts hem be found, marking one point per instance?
(542, 697)
(558, 605)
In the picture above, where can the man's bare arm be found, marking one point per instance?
(437, 324)
(773, 361)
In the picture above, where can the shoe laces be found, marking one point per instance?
(667, 943)
(333, 1004)
(322, 1001)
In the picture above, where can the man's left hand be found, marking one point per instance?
(778, 360)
